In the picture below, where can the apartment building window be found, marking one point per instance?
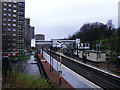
(14, 1)
(4, 14)
(20, 17)
(14, 24)
(9, 44)
(14, 39)
(4, 34)
(14, 15)
(14, 11)
(20, 22)
(4, 28)
(9, 9)
(9, 49)
(5, 4)
(19, 26)
(9, 5)
(14, 49)
(14, 29)
(20, 49)
(9, 39)
(4, 24)
(19, 31)
(14, 44)
(4, 19)
(9, 14)
(20, 13)
(9, 34)
(14, 20)
(20, 8)
(19, 35)
(20, 40)
(9, 19)
(9, 29)
(9, 54)
(14, 6)
(14, 34)
(4, 9)
(20, 3)
(19, 45)
(9, 24)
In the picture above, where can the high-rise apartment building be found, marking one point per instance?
(13, 15)
(31, 32)
(28, 34)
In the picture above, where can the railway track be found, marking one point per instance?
(102, 79)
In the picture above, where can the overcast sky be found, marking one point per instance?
(60, 18)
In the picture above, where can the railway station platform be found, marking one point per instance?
(91, 66)
(53, 75)
(73, 79)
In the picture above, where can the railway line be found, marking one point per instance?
(101, 79)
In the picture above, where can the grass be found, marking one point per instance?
(23, 80)
(19, 58)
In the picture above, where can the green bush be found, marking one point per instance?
(23, 80)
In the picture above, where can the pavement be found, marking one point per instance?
(74, 79)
